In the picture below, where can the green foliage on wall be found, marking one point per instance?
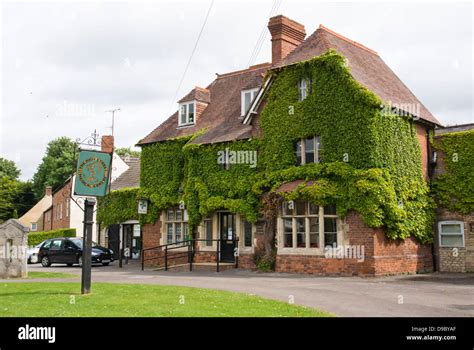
(35, 238)
(454, 189)
(162, 175)
(118, 206)
(337, 108)
(356, 131)
(208, 186)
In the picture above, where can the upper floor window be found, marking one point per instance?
(33, 226)
(451, 233)
(186, 113)
(304, 87)
(308, 150)
(176, 223)
(247, 98)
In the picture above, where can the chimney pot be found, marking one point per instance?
(286, 36)
(48, 191)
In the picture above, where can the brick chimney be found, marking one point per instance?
(48, 191)
(107, 144)
(286, 36)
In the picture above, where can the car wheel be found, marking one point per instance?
(45, 261)
(105, 264)
(79, 261)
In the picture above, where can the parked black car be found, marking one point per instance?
(69, 251)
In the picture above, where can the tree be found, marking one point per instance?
(127, 151)
(9, 190)
(25, 198)
(57, 165)
(9, 168)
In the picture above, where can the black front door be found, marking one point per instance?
(114, 239)
(227, 233)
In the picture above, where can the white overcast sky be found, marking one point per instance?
(64, 65)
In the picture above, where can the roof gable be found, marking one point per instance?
(365, 65)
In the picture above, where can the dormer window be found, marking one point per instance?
(247, 98)
(186, 113)
(304, 87)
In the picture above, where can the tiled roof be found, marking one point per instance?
(129, 178)
(454, 128)
(365, 65)
(222, 117)
(198, 94)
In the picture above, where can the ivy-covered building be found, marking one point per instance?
(453, 189)
(318, 162)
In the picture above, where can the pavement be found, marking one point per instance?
(424, 295)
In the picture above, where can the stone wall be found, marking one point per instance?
(459, 259)
(13, 249)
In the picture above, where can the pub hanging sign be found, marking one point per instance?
(92, 176)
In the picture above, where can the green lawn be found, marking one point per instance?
(49, 299)
(39, 274)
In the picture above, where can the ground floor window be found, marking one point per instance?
(208, 231)
(247, 233)
(176, 225)
(306, 225)
(451, 234)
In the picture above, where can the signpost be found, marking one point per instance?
(92, 180)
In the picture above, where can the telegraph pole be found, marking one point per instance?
(113, 117)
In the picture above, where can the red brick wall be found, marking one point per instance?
(401, 256)
(421, 133)
(381, 256)
(246, 262)
(48, 222)
(61, 211)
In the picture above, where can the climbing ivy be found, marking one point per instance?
(454, 189)
(118, 206)
(371, 157)
(209, 186)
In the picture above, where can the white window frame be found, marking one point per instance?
(67, 207)
(34, 226)
(244, 108)
(451, 222)
(317, 149)
(183, 223)
(307, 250)
(60, 211)
(303, 89)
(243, 247)
(187, 122)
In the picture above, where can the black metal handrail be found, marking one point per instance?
(190, 253)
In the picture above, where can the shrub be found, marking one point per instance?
(35, 238)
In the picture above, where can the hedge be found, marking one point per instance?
(35, 238)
